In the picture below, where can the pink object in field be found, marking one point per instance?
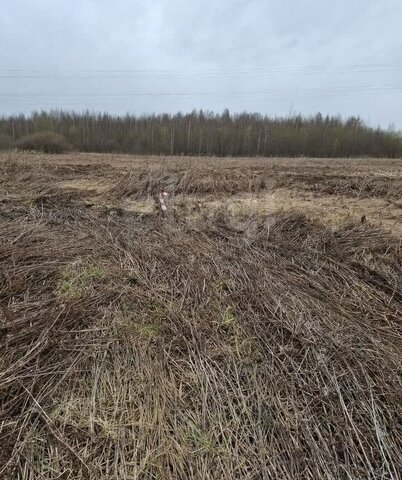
(162, 196)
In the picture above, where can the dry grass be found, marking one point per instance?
(213, 345)
(226, 180)
(358, 186)
(198, 180)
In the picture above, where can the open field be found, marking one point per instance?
(255, 332)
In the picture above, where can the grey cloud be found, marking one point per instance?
(214, 51)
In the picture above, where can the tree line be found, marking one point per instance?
(207, 133)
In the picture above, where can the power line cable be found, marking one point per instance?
(127, 73)
(273, 92)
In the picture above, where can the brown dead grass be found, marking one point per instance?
(237, 338)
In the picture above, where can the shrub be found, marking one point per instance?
(6, 142)
(46, 142)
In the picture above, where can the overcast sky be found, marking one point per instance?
(143, 56)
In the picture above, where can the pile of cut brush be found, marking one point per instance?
(215, 348)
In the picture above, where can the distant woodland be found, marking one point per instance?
(206, 133)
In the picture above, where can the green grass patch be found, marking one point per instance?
(78, 278)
